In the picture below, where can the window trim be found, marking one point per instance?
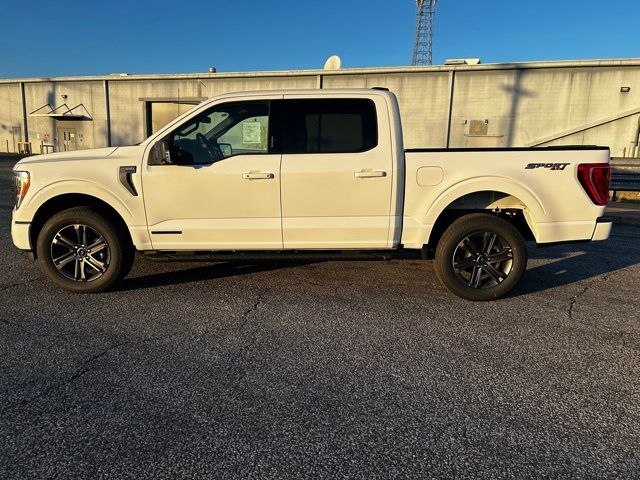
(276, 120)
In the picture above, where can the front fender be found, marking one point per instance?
(77, 186)
(130, 208)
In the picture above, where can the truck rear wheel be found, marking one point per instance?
(480, 257)
(81, 251)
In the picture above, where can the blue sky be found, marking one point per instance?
(108, 36)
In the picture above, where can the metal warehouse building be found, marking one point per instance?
(523, 104)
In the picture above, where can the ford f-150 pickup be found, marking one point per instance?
(315, 174)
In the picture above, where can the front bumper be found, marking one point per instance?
(20, 234)
(603, 229)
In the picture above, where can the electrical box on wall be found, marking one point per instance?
(478, 127)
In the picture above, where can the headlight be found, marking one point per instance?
(22, 180)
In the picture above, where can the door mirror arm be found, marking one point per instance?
(165, 151)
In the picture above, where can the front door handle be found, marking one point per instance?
(258, 176)
(370, 174)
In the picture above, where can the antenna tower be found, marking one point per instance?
(423, 46)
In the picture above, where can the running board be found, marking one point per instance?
(293, 256)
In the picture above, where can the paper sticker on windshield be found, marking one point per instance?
(251, 132)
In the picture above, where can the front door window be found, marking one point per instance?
(224, 131)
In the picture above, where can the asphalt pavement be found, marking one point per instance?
(322, 370)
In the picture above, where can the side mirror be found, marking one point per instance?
(160, 153)
(165, 151)
(226, 149)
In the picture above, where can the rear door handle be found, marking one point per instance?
(258, 176)
(370, 174)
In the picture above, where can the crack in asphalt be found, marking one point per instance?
(18, 284)
(253, 308)
(613, 270)
(601, 327)
(573, 300)
(86, 366)
(246, 317)
(233, 360)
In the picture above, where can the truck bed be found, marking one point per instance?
(542, 182)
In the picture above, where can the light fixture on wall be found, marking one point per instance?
(625, 89)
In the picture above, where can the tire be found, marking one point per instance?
(127, 265)
(480, 257)
(81, 251)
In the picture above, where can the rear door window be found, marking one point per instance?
(326, 125)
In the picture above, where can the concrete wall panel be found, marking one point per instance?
(423, 100)
(524, 105)
(90, 132)
(11, 130)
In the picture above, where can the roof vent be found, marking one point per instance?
(462, 61)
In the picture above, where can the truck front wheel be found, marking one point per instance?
(480, 257)
(81, 251)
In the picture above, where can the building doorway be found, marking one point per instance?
(159, 112)
(67, 139)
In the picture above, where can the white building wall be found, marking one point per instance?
(525, 104)
(11, 130)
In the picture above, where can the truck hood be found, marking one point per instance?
(88, 155)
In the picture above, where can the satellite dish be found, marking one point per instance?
(333, 63)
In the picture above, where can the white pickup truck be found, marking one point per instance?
(316, 174)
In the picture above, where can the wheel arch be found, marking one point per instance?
(65, 201)
(517, 205)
